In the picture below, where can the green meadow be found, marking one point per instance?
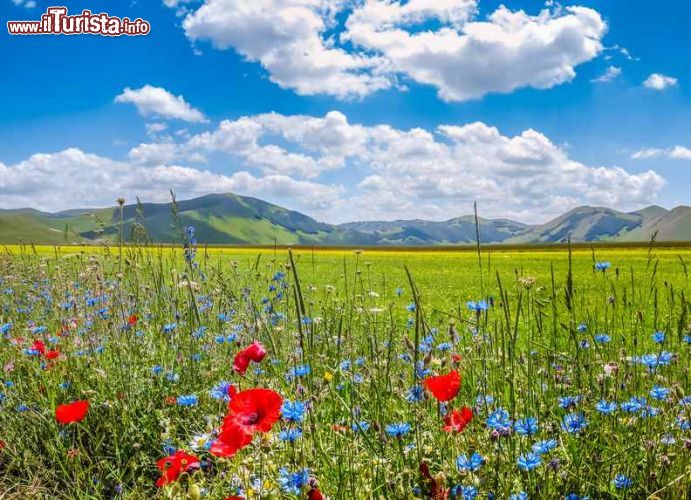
(576, 371)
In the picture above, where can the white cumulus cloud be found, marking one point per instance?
(656, 81)
(611, 73)
(157, 101)
(306, 46)
(673, 153)
(73, 178)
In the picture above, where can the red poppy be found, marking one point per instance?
(253, 352)
(254, 410)
(456, 421)
(232, 391)
(39, 346)
(444, 387)
(231, 439)
(174, 465)
(52, 354)
(315, 494)
(132, 320)
(456, 358)
(72, 412)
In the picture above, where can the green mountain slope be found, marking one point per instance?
(217, 218)
(582, 224)
(672, 225)
(232, 219)
(450, 232)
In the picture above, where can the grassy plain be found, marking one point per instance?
(353, 335)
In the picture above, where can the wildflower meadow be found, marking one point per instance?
(144, 372)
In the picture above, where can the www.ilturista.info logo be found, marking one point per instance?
(56, 22)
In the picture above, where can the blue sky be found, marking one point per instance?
(377, 112)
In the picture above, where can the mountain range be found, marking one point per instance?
(238, 220)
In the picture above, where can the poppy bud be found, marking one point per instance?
(194, 492)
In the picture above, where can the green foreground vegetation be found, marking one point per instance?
(577, 373)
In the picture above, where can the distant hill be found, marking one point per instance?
(582, 224)
(232, 219)
(671, 225)
(217, 218)
(454, 231)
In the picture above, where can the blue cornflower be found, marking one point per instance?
(529, 461)
(415, 394)
(526, 426)
(659, 393)
(521, 495)
(464, 492)
(652, 361)
(345, 365)
(649, 411)
(421, 370)
(567, 402)
(602, 338)
(361, 426)
(445, 346)
(299, 371)
(398, 430)
(157, 369)
(658, 337)
(292, 482)
(293, 411)
(668, 440)
(410, 307)
(188, 400)
(605, 407)
(499, 419)
(469, 464)
(633, 405)
(545, 446)
(220, 391)
(621, 482)
(168, 328)
(602, 266)
(290, 435)
(487, 399)
(199, 332)
(687, 339)
(480, 305)
(574, 423)
(582, 327)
